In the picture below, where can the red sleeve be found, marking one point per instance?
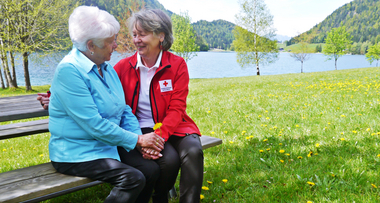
(177, 104)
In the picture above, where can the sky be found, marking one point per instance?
(290, 17)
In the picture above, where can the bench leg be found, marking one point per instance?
(172, 193)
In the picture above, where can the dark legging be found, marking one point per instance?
(133, 180)
(185, 153)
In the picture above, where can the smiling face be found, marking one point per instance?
(147, 44)
(102, 54)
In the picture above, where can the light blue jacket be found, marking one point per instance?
(88, 114)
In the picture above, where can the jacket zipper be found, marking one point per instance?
(151, 91)
(135, 91)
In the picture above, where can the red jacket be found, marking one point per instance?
(168, 92)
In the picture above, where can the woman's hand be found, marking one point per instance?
(44, 100)
(149, 153)
(151, 140)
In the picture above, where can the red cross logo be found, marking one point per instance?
(165, 83)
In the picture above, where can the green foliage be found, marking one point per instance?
(337, 43)
(184, 36)
(373, 54)
(318, 48)
(302, 53)
(253, 35)
(218, 33)
(361, 17)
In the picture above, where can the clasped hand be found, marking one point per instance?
(151, 145)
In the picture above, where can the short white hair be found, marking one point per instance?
(90, 23)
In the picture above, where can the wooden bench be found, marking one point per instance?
(41, 182)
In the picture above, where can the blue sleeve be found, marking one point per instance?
(129, 121)
(76, 99)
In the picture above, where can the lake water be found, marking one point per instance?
(210, 65)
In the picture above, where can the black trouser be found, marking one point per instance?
(185, 152)
(133, 180)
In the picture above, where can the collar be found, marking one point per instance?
(140, 64)
(85, 62)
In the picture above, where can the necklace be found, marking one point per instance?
(100, 71)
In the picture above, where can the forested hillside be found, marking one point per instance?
(361, 18)
(218, 33)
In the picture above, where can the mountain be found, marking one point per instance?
(218, 33)
(361, 18)
(282, 38)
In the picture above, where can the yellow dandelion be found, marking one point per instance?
(378, 155)
(202, 196)
(225, 180)
(225, 132)
(342, 139)
(212, 132)
(354, 131)
(287, 154)
(267, 118)
(265, 140)
(297, 126)
(41, 155)
(374, 186)
(317, 145)
(309, 155)
(342, 116)
(310, 183)
(157, 126)
(209, 182)
(243, 132)
(281, 151)
(368, 129)
(228, 150)
(208, 111)
(261, 151)
(231, 142)
(224, 121)
(299, 157)
(205, 188)
(268, 149)
(247, 138)
(280, 144)
(259, 116)
(309, 202)
(282, 161)
(4, 150)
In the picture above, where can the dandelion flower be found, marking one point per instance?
(231, 142)
(209, 182)
(342, 116)
(378, 155)
(317, 145)
(212, 132)
(282, 161)
(157, 126)
(299, 157)
(202, 197)
(243, 132)
(265, 140)
(310, 183)
(228, 150)
(354, 131)
(280, 144)
(287, 154)
(309, 202)
(281, 151)
(205, 188)
(41, 155)
(268, 149)
(342, 139)
(225, 132)
(368, 129)
(225, 180)
(4, 150)
(261, 151)
(297, 126)
(374, 186)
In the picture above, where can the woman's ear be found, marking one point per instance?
(90, 45)
(162, 36)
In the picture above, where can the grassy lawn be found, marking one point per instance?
(286, 138)
(295, 46)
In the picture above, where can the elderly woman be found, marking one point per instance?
(89, 117)
(155, 84)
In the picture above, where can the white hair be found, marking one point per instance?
(90, 23)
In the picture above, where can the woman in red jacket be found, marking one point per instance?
(155, 84)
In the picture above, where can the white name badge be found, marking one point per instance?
(166, 85)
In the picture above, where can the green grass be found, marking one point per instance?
(295, 46)
(330, 116)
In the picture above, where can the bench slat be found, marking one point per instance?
(36, 181)
(208, 141)
(23, 129)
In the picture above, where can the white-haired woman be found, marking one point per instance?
(90, 123)
(155, 84)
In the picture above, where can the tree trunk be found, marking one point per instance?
(2, 80)
(13, 79)
(301, 66)
(25, 63)
(257, 67)
(335, 63)
(3, 63)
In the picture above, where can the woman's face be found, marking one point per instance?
(104, 54)
(147, 44)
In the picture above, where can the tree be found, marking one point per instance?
(337, 42)
(184, 36)
(254, 36)
(303, 51)
(373, 54)
(35, 25)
